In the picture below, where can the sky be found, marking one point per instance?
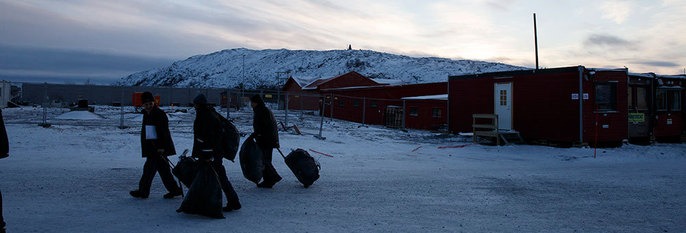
(76, 41)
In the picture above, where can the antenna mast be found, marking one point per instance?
(536, 41)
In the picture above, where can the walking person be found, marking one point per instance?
(266, 136)
(206, 147)
(4, 152)
(156, 145)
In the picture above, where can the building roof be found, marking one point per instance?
(316, 83)
(427, 97)
(532, 71)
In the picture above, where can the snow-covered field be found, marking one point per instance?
(75, 177)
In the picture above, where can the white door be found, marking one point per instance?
(503, 105)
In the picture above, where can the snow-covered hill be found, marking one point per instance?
(268, 68)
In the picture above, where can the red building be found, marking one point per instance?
(389, 105)
(554, 105)
(669, 119)
(304, 94)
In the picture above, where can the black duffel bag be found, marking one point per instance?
(204, 197)
(251, 160)
(185, 170)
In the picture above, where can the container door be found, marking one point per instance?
(503, 105)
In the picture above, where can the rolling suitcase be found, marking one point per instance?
(303, 166)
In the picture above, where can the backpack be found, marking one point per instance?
(229, 138)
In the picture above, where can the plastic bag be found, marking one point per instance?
(204, 197)
(251, 160)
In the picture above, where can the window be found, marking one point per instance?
(503, 97)
(668, 100)
(373, 103)
(638, 98)
(414, 111)
(341, 103)
(675, 100)
(356, 103)
(606, 96)
(436, 112)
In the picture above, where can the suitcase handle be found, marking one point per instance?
(284, 157)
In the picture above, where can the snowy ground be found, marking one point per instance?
(75, 177)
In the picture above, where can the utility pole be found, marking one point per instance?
(536, 41)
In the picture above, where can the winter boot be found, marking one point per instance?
(170, 195)
(138, 194)
(232, 206)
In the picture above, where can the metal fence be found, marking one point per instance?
(302, 113)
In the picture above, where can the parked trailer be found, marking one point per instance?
(640, 111)
(138, 102)
(669, 110)
(571, 105)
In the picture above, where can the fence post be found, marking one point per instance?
(301, 104)
(364, 108)
(45, 107)
(403, 112)
(228, 103)
(286, 108)
(321, 119)
(121, 111)
(278, 98)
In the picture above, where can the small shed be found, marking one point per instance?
(426, 112)
(567, 105)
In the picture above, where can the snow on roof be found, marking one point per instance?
(606, 69)
(427, 97)
(388, 81)
(304, 81)
(681, 76)
(313, 85)
(644, 75)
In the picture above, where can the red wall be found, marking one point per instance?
(385, 96)
(424, 118)
(675, 129)
(542, 104)
(617, 123)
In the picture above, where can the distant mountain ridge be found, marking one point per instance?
(234, 68)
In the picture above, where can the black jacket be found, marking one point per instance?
(164, 141)
(264, 126)
(206, 134)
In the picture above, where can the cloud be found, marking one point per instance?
(657, 63)
(616, 11)
(48, 63)
(600, 40)
(502, 5)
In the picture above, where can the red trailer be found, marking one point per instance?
(640, 98)
(137, 102)
(571, 105)
(669, 110)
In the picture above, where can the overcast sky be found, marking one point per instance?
(104, 40)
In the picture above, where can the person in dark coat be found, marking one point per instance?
(156, 144)
(267, 138)
(4, 152)
(206, 147)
